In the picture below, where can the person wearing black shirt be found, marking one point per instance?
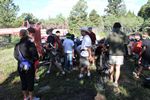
(29, 52)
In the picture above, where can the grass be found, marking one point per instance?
(68, 87)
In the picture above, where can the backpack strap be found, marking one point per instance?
(21, 58)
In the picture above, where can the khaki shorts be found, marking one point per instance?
(118, 60)
(84, 62)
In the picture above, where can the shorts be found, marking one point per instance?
(145, 63)
(117, 60)
(84, 62)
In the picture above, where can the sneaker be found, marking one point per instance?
(63, 73)
(109, 83)
(36, 98)
(27, 98)
(36, 84)
(37, 77)
(135, 75)
(88, 74)
(116, 90)
(115, 85)
(48, 72)
(80, 76)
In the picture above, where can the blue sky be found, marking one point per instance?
(51, 8)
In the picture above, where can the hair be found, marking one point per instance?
(57, 31)
(49, 30)
(148, 30)
(117, 25)
(31, 30)
(90, 28)
(68, 35)
(23, 33)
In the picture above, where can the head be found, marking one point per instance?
(116, 27)
(146, 34)
(49, 31)
(31, 31)
(137, 37)
(23, 33)
(72, 37)
(68, 36)
(84, 31)
(58, 33)
(90, 29)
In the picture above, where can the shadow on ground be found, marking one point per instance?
(69, 87)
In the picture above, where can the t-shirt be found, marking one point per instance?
(137, 47)
(86, 43)
(146, 53)
(68, 45)
(117, 43)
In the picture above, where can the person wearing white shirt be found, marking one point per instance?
(85, 52)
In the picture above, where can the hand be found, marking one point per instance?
(139, 61)
(90, 58)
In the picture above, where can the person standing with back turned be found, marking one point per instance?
(116, 40)
(25, 49)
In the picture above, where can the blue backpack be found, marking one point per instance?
(24, 65)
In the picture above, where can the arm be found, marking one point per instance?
(90, 53)
(16, 53)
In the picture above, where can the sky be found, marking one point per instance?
(51, 8)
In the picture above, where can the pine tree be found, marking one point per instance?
(78, 15)
(8, 12)
(116, 7)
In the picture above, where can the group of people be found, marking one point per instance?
(67, 49)
(141, 50)
(70, 50)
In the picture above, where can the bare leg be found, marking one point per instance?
(117, 74)
(111, 73)
(36, 76)
(58, 65)
(139, 70)
(88, 71)
(25, 94)
(31, 95)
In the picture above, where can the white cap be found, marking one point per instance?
(54, 31)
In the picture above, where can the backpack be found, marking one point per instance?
(24, 65)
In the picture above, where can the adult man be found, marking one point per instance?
(53, 48)
(85, 52)
(116, 40)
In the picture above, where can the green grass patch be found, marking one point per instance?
(67, 87)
